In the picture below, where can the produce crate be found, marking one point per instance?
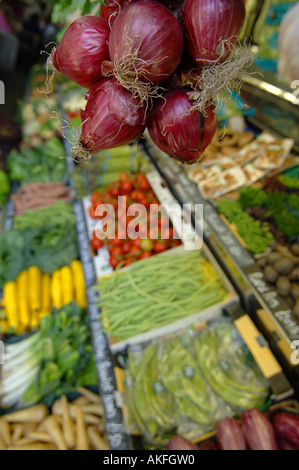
(204, 315)
(281, 390)
(179, 218)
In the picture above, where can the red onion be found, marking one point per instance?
(112, 117)
(180, 443)
(284, 444)
(207, 23)
(83, 48)
(182, 134)
(145, 41)
(230, 435)
(208, 445)
(258, 430)
(286, 425)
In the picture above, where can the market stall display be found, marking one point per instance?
(169, 327)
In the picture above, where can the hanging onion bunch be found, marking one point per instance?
(156, 64)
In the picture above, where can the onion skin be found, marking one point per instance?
(180, 443)
(112, 117)
(82, 49)
(286, 426)
(208, 445)
(259, 432)
(153, 30)
(230, 435)
(182, 137)
(205, 23)
(283, 444)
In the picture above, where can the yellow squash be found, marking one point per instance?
(23, 299)
(11, 305)
(79, 284)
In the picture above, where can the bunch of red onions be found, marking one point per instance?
(135, 58)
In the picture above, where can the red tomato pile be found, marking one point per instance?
(136, 189)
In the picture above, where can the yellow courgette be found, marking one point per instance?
(67, 285)
(23, 299)
(56, 289)
(46, 301)
(79, 283)
(34, 276)
(10, 304)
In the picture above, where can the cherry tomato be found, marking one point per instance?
(126, 187)
(136, 195)
(126, 247)
(95, 196)
(129, 261)
(145, 254)
(142, 183)
(136, 242)
(115, 192)
(91, 211)
(113, 262)
(116, 242)
(124, 176)
(116, 252)
(160, 246)
(96, 243)
(134, 251)
(146, 244)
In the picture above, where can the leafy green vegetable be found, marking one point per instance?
(45, 238)
(40, 164)
(289, 181)
(65, 354)
(282, 207)
(12, 260)
(256, 236)
(251, 197)
(4, 188)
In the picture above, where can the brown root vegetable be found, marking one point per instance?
(295, 248)
(270, 274)
(295, 291)
(296, 309)
(294, 275)
(34, 414)
(284, 265)
(273, 257)
(262, 263)
(283, 286)
(55, 432)
(5, 433)
(81, 432)
(96, 440)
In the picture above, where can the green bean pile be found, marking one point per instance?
(157, 291)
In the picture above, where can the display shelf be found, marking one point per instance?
(238, 264)
(116, 434)
(276, 106)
